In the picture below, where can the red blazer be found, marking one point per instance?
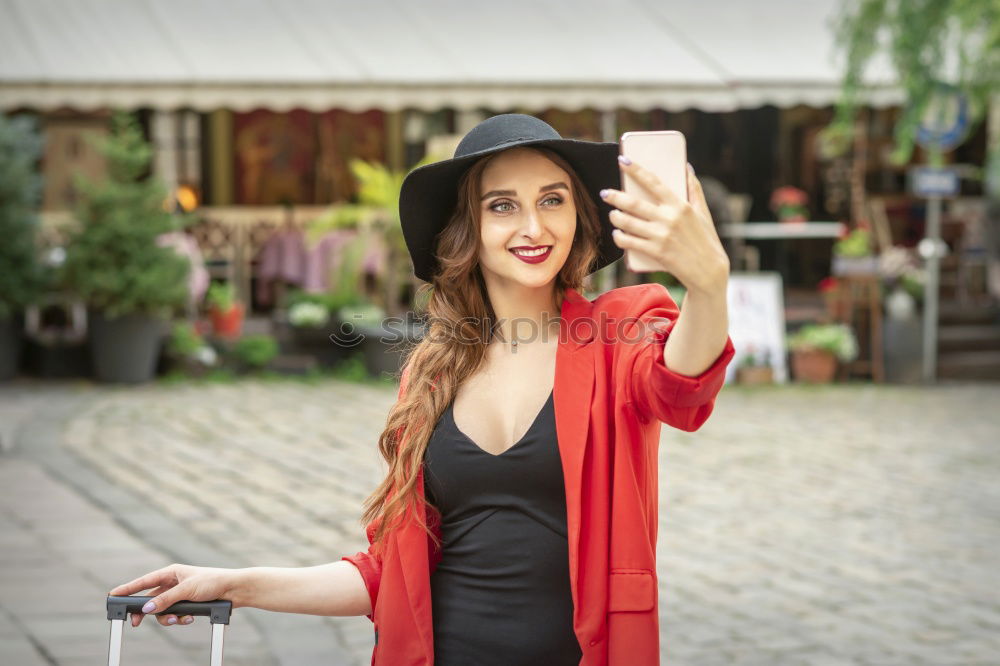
(611, 393)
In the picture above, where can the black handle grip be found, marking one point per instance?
(218, 611)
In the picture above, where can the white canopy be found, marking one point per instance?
(390, 54)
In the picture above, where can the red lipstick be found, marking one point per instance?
(536, 259)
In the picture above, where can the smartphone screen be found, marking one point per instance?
(665, 154)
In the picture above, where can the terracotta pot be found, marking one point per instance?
(756, 374)
(227, 324)
(814, 366)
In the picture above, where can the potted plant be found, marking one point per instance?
(132, 285)
(55, 331)
(189, 352)
(852, 252)
(755, 368)
(254, 352)
(789, 204)
(376, 217)
(816, 349)
(382, 341)
(225, 312)
(902, 329)
(836, 306)
(20, 272)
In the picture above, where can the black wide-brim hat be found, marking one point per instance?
(429, 193)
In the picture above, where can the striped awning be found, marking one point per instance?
(391, 54)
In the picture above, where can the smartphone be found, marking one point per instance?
(663, 152)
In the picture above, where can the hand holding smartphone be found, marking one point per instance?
(665, 154)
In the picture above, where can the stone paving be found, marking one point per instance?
(841, 525)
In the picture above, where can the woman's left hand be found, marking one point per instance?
(678, 234)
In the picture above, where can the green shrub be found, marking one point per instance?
(184, 340)
(836, 338)
(256, 350)
(20, 194)
(113, 260)
(221, 296)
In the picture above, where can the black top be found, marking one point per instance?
(501, 593)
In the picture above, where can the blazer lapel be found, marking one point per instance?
(413, 546)
(572, 393)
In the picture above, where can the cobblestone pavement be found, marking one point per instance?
(841, 525)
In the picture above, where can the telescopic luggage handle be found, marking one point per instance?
(218, 612)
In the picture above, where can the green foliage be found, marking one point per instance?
(352, 369)
(836, 338)
(367, 314)
(256, 350)
(376, 217)
(21, 277)
(308, 314)
(113, 260)
(220, 296)
(920, 33)
(858, 243)
(184, 339)
(345, 293)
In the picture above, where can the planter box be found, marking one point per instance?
(57, 361)
(814, 366)
(10, 347)
(315, 342)
(755, 375)
(902, 350)
(126, 349)
(385, 346)
(854, 265)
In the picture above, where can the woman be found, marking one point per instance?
(523, 547)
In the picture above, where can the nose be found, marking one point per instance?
(532, 225)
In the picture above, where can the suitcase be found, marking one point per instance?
(119, 608)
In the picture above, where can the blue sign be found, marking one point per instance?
(945, 121)
(934, 182)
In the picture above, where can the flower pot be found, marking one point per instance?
(321, 342)
(903, 350)
(854, 265)
(228, 324)
(384, 346)
(10, 347)
(57, 360)
(814, 366)
(755, 375)
(125, 349)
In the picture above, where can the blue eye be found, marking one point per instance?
(508, 203)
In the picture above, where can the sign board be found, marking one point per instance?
(928, 181)
(945, 121)
(757, 321)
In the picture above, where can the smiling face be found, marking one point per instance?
(528, 218)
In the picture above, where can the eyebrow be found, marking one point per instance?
(511, 193)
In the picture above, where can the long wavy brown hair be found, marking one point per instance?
(460, 324)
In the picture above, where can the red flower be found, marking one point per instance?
(828, 284)
(788, 196)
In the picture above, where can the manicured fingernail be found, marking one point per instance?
(690, 168)
(172, 620)
(603, 193)
(188, 620)
(149, 607)
(624, 160)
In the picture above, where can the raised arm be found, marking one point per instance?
(682, 401)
